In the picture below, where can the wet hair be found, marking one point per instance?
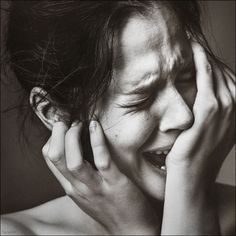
(66, 47)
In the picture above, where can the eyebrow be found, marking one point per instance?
(145, 85)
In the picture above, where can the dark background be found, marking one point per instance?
(25, 179)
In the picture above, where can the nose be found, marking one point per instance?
(176, 113)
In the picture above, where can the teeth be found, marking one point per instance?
(161, 152)
(163, 167)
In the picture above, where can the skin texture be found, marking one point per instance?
(150, 51)
(179, 116)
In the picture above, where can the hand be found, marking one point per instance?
(106, 195)
(203, 148)
(196, 157)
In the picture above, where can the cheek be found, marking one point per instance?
(126, 133)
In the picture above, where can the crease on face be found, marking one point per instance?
(148, 45)
(153, 45)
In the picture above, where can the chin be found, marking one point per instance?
(152, 179)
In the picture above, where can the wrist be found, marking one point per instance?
(189, 179)
(189, 206)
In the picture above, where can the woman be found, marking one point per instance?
(140, 113)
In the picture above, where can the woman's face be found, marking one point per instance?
(150, 99)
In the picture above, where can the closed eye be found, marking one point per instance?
(142, 102)
(139, 105)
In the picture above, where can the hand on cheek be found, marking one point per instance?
(198, 153)
(203, 147)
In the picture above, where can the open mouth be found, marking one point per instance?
(157, 159)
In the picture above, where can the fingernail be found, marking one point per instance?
(76, 122)
(93, 125)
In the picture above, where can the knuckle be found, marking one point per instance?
(212, 106)
(227, 103)
(69, 190)
(54, 156)
(74, 168)
(101, 165)
(45, 150)
(98, 148)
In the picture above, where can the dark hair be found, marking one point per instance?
(66, 47)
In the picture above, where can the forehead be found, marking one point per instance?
(151, 44)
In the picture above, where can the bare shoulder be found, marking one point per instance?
(56, 217)
(31, 221)
(226, 208)
(11, 226)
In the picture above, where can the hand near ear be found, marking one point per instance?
(107, 195)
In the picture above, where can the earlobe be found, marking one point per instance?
(44, 108)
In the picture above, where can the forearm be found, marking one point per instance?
(188, 207)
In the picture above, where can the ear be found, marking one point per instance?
(45, 109)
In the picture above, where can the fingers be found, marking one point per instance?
(102, 157)
(57, 146)
(216, 94)
(66, 183)
(54, 153)
(225, 91)
(203, 70)
(206, 105)
(225, 101)
(212, 111)
(64, 156)
(230, 80)
(62, 180)
(73, 149)
(222, 92)
(75, 163)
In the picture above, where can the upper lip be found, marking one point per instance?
(161, 149)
